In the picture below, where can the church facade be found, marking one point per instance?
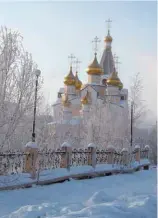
(103, 87)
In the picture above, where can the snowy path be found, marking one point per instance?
(121, 196)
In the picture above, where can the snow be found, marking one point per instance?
(66, 144)
(24, 178)
(124, 150)
(147, 147)
(118, 196)
(137, 147)
(91, 145)
(111, 147)
(31, 145)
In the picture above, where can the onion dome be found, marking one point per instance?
(69, 80)
(114, 80)
(65, 100)
(108, 38)
(94, 68)
(78, 83)
(85, 99)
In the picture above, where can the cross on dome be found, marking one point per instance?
(95, 41)
(108, 24)
(77, 62)
(116, 61)
(71, 57)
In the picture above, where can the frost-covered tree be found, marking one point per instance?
(105, 125)
(135, 97)
(153, 143)
(17, 81)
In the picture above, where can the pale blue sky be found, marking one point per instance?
(53, 30)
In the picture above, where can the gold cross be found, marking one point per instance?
(71, 57)
(95, 41)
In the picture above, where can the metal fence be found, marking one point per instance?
(13, 162)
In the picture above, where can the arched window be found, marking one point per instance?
(104, 81)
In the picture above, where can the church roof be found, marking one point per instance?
(107, 61)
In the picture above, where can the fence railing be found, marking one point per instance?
(12, 162)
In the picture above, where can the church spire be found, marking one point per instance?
(108, 38)
(107, 57)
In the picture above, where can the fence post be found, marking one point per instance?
(137, 155)
(66, 156)
(124, 153)
(92, 155)
(31, 150)
(111, 150)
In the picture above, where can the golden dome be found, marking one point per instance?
(114, 80)
(78, 83)
(94, 68)
(69, 80)
(65, 100)
(108, 38)
(85, 99)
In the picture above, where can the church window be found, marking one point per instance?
(104, 81)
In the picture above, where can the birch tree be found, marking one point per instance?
(139, 108)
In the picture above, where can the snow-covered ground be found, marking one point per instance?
(24, 178)
(121, 196)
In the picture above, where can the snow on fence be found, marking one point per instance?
(32, 159)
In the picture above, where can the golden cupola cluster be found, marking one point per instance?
(114, 80)
(108, 38)
(71, 80)
(94, 68)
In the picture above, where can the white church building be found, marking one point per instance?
(103, 87)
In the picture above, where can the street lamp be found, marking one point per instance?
(37, 73)
(132, 123)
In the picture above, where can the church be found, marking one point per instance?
(103, 87)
